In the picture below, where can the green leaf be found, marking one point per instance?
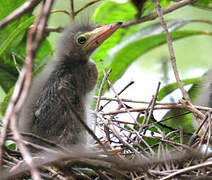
(13, 41)
(153, 129)
(8, 70)
(11, 145)
(166, 90)
(111, 11)
(6, 100)
(10, 37)
(179, 120)
(203, 4)
(207, 4)
(128, 54)
(129, 35)
(16, 36)
(7, 6)
(8, 76)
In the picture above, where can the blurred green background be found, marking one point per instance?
(192, 52)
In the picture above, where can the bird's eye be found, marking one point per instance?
(81, 40)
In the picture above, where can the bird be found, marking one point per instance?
(45, 113)
(204, 95)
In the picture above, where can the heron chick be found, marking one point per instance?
(45, 113)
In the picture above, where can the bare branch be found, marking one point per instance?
(171, 50)
(187, 169)
(86, 5)
(26, 7)
(22, 85)
(72, 13)
(154, 15)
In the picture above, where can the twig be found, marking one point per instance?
(194, 109)
(27, 6)
(171, 50)
(119, 93)
(86, 5)
(22, 85)
(52, 29)
(54, 173)
(60, 10)
(45, 141)
(117, 96)
(132, 101)
(33, 42)
(177, 106)
(153, 103)
(60, 89)
(195, 134)
(174, 66)
(117, 135)
(101, 90)
(154, 15)
(72, 13)
(26, 155)
(187, 169)
(16, 65)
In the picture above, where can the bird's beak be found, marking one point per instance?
(99, 35)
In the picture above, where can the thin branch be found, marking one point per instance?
(187, 169)
(33, 42)
(26, 155)
(22, 85)
(86, 5)
(116, 95)
(26, 7)
(171, 50)
(16, 65)
(174, 106)
(119, 93)
(154, 15)
(195, 134)
(132, 101)
(60, 10)
(72, 13)
(51, 29)
(153, 103)
(101, 89)
(54, 29)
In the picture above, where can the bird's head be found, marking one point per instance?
(80, 40)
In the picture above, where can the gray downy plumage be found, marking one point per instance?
(45, 112)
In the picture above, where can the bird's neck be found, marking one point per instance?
(72, 60)
(75, 67)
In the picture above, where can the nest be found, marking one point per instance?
(130, 144)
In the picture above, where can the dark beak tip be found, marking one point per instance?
(119, 23)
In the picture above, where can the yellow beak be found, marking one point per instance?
(99, 35)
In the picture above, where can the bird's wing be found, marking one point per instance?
(52, 117)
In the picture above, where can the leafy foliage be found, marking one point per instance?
(207, 4)
(13, 43)
(204, 4)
